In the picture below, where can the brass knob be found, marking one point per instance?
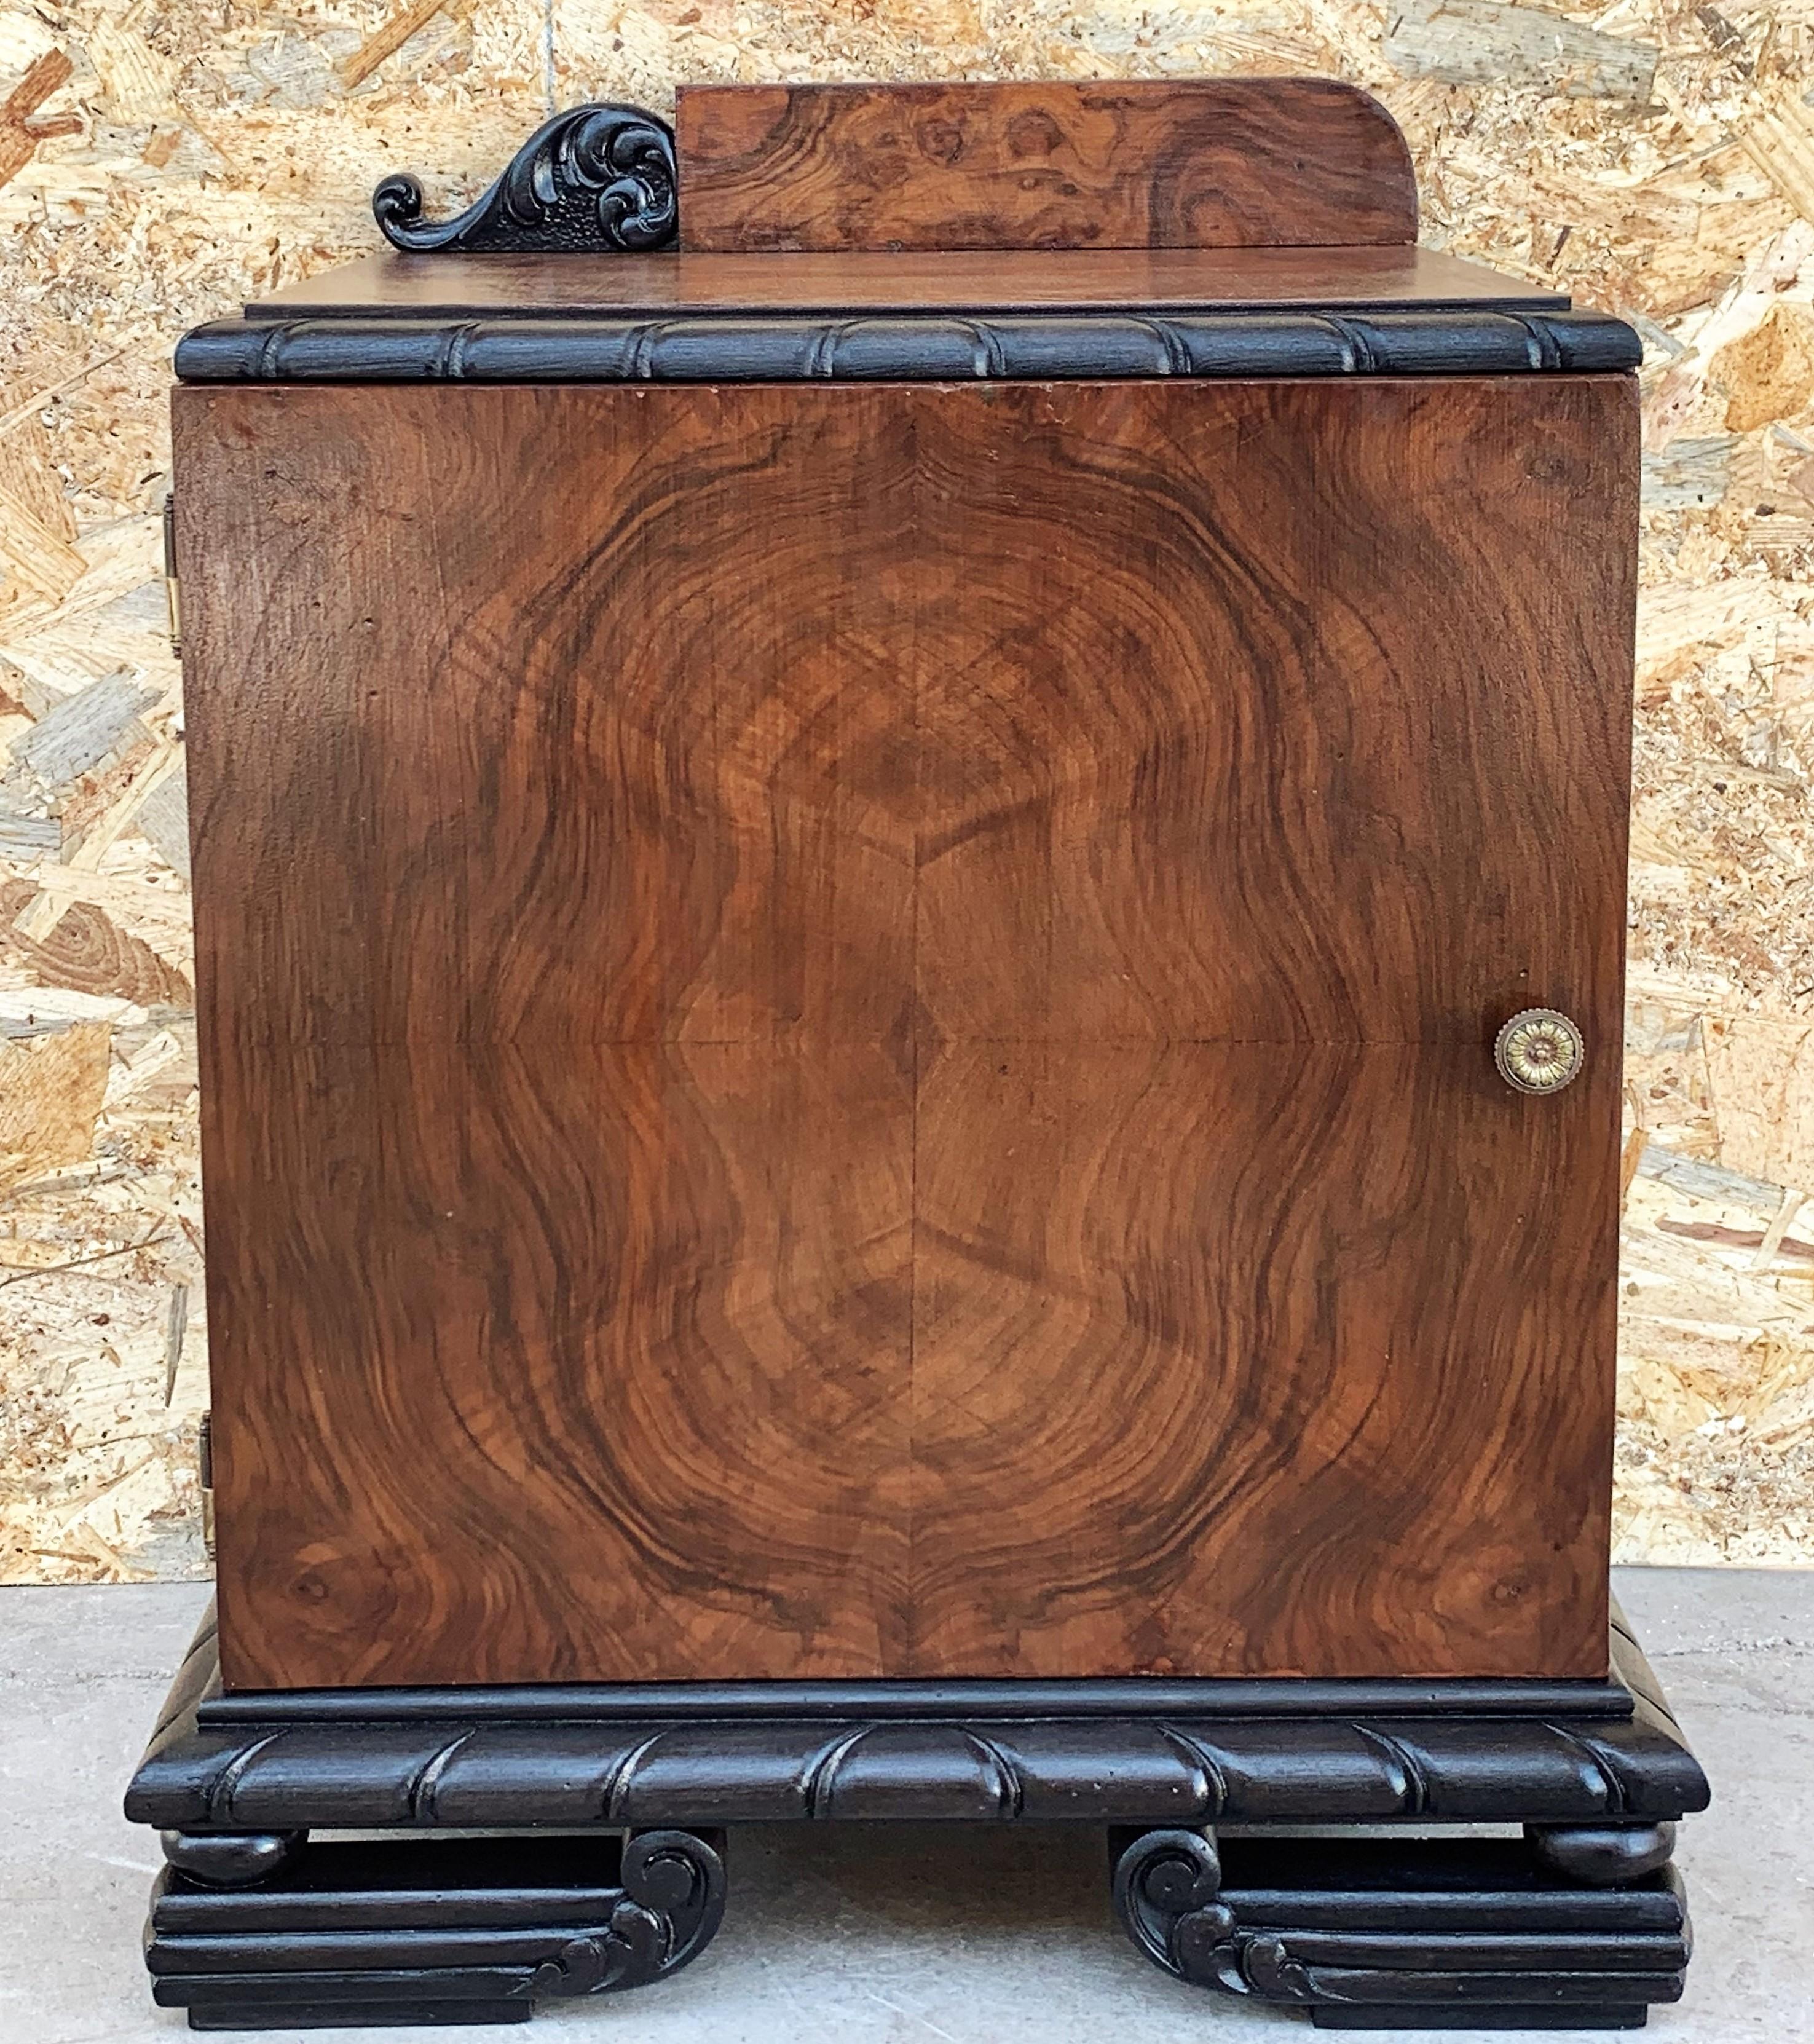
(1539, 1050)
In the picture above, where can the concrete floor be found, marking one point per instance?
(890, 1935)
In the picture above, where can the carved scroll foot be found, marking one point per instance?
(1167, 1891)
(1582, 1927)
(415, 1929)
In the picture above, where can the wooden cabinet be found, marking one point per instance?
(857, 893)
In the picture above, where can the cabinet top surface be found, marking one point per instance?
(1034, 280)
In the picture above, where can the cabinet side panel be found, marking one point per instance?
(555, 937)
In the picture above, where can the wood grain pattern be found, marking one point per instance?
(555, 1113)
(1288, 1332)
(609, 1376)
(1175, 163)
(908, 1090)
(1285, 716)
(1380, 278)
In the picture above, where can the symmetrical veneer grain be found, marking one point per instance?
(847, 1030)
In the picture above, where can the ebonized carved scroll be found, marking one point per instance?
(595, 178)
(1418, 1934)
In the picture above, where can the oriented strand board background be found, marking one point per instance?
(160, 162)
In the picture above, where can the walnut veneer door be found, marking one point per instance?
(847, 1030)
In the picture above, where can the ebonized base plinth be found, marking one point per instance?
(260, 1922)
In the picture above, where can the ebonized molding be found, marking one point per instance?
(590, 181)
(277, 1774)
(942, 349)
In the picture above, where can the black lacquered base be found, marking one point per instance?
(1577, 1923)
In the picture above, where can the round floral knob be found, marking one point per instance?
(1539, 1050)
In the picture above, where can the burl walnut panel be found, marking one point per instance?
(1173, 164)
(847, 1030)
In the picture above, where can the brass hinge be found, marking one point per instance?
(204, 1460)
(172, 594)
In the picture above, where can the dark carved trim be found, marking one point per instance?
(591, 180)
(1161, 1880)
(921, 349)
(1356, 1930)
(250, 1763)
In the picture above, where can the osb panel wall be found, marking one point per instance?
(159, 162)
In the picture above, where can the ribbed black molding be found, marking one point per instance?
(218, 1764)
(947, 348)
